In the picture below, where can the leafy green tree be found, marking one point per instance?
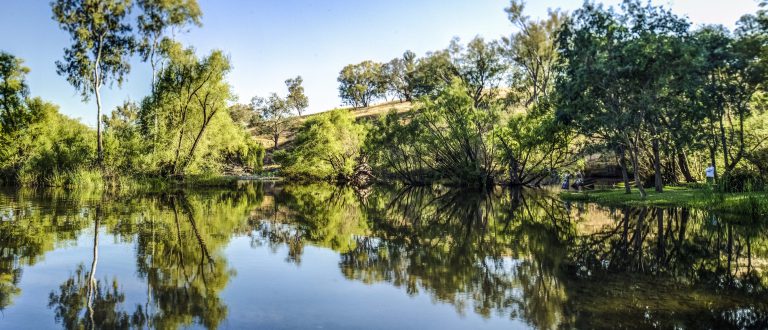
(392, 151)
(296, 100)
(732, 71)
(533, 50)
(196, 131)
(662, 35)
(433, 72)
(276, 118)
(243, 114)
(101, 45)
(444, 139)
(535, 147)
(393, 77)
(156, 18)
(589, 93)
(51, 151)
(480, 67)
(757, 138)
(38, 146)
(614, 81)
(360, 84)
(399, 76)
(327, 146)
(14, 114)
(126, 149)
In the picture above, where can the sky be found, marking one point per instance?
(269, 41)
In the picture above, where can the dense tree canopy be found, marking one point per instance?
(360, 84)
(641, 81)
(326, 146)
(13, 94)
(633, 84)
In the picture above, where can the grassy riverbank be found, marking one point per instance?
(94, 181)
(747, 204)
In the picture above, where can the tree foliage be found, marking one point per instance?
(14, 113)
(326, 146)
(296, 100)
(196, 131)
(38, 146)
(275, 116)
(641, 81)
(446, 138)
(360, 84)
(156, 18)
(101, 45)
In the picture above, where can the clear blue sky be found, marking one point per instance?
(271, 40)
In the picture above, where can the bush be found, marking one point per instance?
(249, 155)
(326, 146)
(50, 151)
(742, 180)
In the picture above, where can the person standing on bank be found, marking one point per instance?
(710, 172)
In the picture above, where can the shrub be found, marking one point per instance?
(326, 146)
(49, 150)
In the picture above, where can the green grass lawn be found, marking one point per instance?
(753, 203)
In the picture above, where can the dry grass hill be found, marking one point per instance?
(361, 113)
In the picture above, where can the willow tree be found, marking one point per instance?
(533, 145)
(156, 18)
(457, 135)
(101, 46)
(326, 146)
(192, 95)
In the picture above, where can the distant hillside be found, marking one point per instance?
(361, 113)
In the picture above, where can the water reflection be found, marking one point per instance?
(178, 240)
(527, 255)
(670, 268)
(508, 255)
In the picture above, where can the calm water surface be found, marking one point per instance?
(318, 256)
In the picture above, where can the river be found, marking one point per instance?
(278, 256)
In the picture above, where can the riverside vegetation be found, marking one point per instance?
(419, 196)
(433, 256)
(526, 109)
(636, 86)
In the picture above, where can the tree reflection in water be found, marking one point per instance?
(471, 249)
(178, 253)
(28, 231)
(519, 254)
(680, 267)
(528, 255)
